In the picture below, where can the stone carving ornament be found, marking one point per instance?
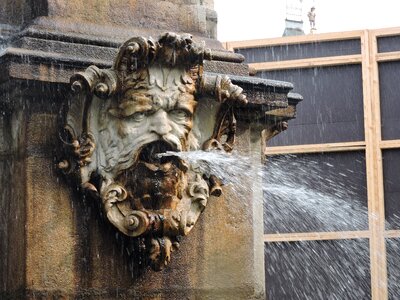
(119, 120)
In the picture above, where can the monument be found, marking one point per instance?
(122, 204)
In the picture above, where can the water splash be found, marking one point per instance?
(3, 46)
(393, 267)
(316, 193)
(303, 195)
(336, 269)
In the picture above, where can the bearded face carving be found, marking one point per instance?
(120, 124)
(161, 114)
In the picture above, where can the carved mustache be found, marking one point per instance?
(172, 140)
(129, 153)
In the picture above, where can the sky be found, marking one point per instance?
(259, 19)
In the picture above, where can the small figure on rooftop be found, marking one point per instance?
(311, 17)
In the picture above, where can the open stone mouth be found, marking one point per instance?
(151, 153)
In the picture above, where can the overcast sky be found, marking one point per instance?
(257, 19)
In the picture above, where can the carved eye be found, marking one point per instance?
(179, 114)
(138, 116)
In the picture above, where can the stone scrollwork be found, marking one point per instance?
(120, 121)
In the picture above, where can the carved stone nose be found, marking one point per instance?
(160, 123)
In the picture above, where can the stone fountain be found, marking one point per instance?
(92, 111)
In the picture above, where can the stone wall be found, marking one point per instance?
(58, 245)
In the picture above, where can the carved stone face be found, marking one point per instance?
(152, 115)
(122, 118)
(146, 121)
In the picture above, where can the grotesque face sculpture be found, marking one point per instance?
(156, 114)
(123, 124)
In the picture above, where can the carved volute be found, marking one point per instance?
(119, 121)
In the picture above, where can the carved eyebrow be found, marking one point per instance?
(128, 108)
(186, 103)
(185, 107)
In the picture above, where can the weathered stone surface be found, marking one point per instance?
(50, 231)
(99, 17)
(165, 15)
(226, 68)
